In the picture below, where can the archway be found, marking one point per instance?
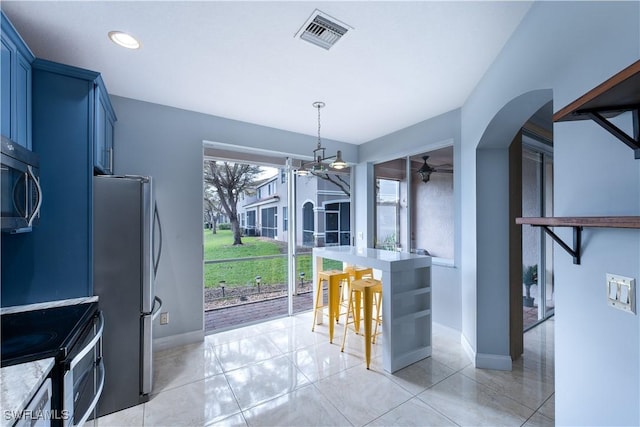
(498, 239)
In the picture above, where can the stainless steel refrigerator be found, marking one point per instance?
(127, 244)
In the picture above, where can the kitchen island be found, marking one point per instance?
(406, 299)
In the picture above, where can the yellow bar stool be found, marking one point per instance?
(377, 294)
(356, 273)
(334, 279)
(367, 288)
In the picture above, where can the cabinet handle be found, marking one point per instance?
(36, 210)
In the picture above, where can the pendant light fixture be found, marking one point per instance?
(319, 155)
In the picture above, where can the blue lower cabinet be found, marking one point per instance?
(55, 260)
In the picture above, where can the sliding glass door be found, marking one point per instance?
(537, 247)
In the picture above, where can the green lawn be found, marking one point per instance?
(241, 273)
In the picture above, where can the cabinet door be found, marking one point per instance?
(15, 93)
(103, 149)
(22, 134)
(108, 142)
(7, 54)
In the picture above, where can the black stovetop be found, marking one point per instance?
(38, 334)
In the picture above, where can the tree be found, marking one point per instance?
(212, 207)
(230, 180)
(337, 179)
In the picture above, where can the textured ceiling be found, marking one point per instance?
(399, 64)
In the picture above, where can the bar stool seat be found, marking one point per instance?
(368, 289)
(357, 273)
(334, 279)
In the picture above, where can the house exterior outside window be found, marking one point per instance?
(337, 224)
(314, 195)
(285, 219)
(269, 224)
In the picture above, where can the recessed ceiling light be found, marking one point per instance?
(124, 39)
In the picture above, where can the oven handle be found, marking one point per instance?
(91, 344)
(94, 403)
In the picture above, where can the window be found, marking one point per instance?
(413, 215)
(388, 213)
(260, 193)
(283, 176)
(269, 218)
(251, 223)
(308, 224)
(337, 224)
(285, 219)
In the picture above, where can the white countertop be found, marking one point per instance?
(47, 304)
(18, 384)
(375, 258)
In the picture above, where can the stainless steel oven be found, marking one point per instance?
(73, 335)
(21, 191)
(83, 375)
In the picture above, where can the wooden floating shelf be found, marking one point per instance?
(584, 221)
(620, 91)
(577, 223)
(616, 95)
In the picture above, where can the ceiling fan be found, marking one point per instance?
(426, 170)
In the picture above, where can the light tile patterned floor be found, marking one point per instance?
(279, 373)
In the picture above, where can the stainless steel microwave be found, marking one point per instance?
(21, 191)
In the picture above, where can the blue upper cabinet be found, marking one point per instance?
(104, 121)
(72, 121)
(15, 85)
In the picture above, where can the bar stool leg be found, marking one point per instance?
(333, 292)
(356, 312)
(368, 305)
(318, 304)
(378, 298)
(346, 322)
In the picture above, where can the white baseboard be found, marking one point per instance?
(485, 361)
(471, 353)
(493, 361)
(178, 340)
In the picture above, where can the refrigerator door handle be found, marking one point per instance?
(156, 308)
(146, 371)
(156, 261)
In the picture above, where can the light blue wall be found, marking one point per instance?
(166, 143)
(566, 48)
(560, 48)
(431, 134)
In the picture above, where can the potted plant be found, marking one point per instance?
(529, 277)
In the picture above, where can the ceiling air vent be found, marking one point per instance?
(322, 30)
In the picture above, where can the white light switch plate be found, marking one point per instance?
(621, 292)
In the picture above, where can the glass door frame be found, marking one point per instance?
(544, 182)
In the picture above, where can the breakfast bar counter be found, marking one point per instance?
(406, 299)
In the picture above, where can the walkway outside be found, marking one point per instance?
(235, 316)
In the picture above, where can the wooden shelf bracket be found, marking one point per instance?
(577, 242)
(616, 95)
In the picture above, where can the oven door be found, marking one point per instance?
(84, 375)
